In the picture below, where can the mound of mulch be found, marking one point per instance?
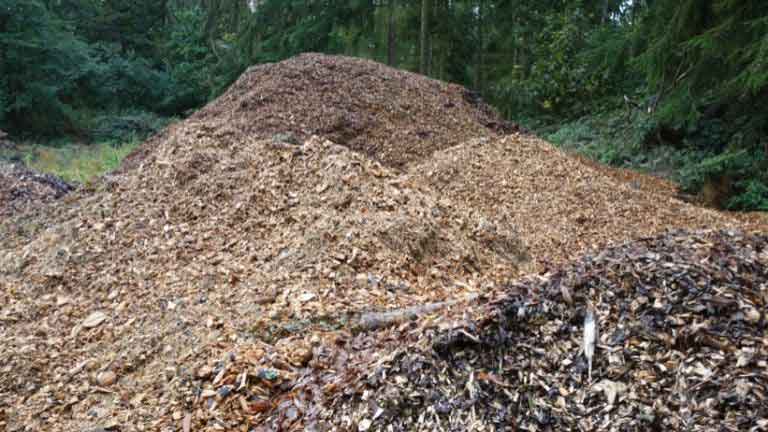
(562, 206)
(219, 241)
(391, 115)
(22, 188)
(235, 276)
(681, 346)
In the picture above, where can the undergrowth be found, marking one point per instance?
(714, 172)
(107, 138)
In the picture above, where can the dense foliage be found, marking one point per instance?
(680, 80)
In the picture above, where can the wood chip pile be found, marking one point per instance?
(234, 241)
(681, 320)
(562, 206)
(240, 274)
(391, 115)
(21, 188)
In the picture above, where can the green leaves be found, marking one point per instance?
(55, 75)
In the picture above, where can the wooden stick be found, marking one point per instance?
(379, 320)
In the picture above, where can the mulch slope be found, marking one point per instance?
(21, 188)
(220, 240)
(562, 206)
(682, 346)
(391, 115)
(218, 280)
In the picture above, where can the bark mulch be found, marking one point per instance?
(681, 320)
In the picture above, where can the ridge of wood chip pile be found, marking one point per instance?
(22, 188)
(239, 274)
(391, 115)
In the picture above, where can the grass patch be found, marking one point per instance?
(76, 163)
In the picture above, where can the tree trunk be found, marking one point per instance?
(481, 48)
(424, 37)
(391, 36)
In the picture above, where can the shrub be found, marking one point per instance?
(126, 126)
(753, 197)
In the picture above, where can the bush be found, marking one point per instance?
(753, 197)
(732, 179)
(733, 164)
(116, 80)
(52, 79)
(127, 126)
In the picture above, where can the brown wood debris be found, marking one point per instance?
(682, 346)
(216, 281)
(21, 189)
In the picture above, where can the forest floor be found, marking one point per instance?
(335, 243)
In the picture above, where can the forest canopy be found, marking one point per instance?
(660, 84)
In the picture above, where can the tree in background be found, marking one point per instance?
(391, 33)
(696, 69)
(706, 65)
(424, 38)
(41, 63)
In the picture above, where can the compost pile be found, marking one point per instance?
(240, 274)
(22, 188)
(681, 346)
(391, 115)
